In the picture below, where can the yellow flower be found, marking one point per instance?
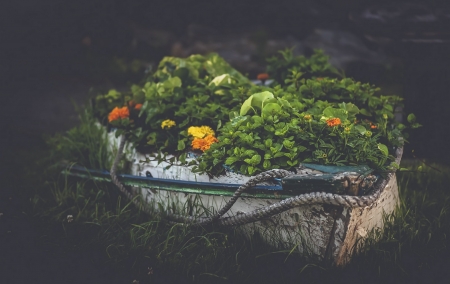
(307, 117)
(200, 131)
(167, 123)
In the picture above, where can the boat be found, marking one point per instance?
(324, 212)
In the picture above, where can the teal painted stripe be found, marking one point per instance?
(217, 189)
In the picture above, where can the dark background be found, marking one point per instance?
(53, 53)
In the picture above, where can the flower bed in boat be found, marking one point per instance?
(310, 113)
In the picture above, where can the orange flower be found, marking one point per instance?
(138, 106)
(117, 113)
(333, 122)
(203, 144)
(373, 126)
(262, 76)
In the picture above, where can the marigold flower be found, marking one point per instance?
(262, 76)
(333, 122)
(138, 106)
(203, 144)
(307, 117)
(118, 113)
(168, 123)
(373, 126)
(200, 131)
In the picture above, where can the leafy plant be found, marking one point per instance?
(86, 144)
(286, 68)
(306, 117)
(272, 134)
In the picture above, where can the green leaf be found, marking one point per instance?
(268, 143)
(256, 159)
(266, 164)
(384, 149)
(172, 83)
(351, 109)
(271, 109)
(181, 145)
(233, 114)
(246, 106)
(331, 112)
(361, 129)
(301, 148)
(284, 103)
(411, 118)
(182, 73)
(288, 144)
(220, 80)
(231, 160)
(259, 99)
(365, 112)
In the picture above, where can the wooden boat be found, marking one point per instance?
(320, 229)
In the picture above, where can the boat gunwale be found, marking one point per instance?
(191, 187)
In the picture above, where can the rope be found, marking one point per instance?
(266, 211)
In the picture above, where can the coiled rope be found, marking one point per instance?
(266, 211)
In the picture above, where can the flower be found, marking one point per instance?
(262, 76)
(203, 143)
(373, 126)
(347, 130)
(333, 122)
(118, 113)
(168, 123)
(200, 131)
(307, 117)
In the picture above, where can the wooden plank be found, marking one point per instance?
(361, 221)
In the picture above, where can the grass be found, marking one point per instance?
(413, 248)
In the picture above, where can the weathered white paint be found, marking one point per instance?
(323, 232)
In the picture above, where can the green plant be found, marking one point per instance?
(198, 90)
(260, 127)
(277, 135)
(286, 67)
(86, 144)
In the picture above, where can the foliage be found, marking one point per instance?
(198, 90)
(86, 144)
(305, 117)
(277, 135)
(286, 66)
